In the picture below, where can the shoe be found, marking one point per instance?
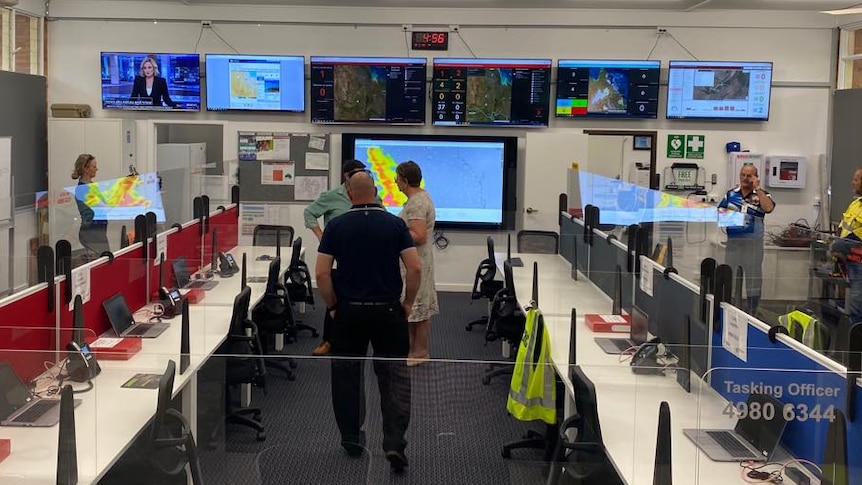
(353, 450)
(322, 349)
(414, 361)
(397, 460)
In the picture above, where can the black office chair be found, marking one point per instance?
(265, 235)
(273, 315)
(484, 284)
(538, 242)
(244, 365)
(171, 444)
(582, 459)
(297, 281)
(506, 321)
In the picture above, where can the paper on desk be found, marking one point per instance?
(646, 275)
(80, 285)
(308, 188)
(105, 342)
(316, 161)
(161, 248)
(317, 143)
(734, 333)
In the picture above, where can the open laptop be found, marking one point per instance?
(124, 323)
(20, 407)
(751, 439)
(181, 273)
(637, 335)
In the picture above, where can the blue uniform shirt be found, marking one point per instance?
(749, 206)
(366, 242)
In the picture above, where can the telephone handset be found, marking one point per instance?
(227, 265)
(171, 301)
(82, 365)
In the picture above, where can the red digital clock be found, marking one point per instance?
(430, 41)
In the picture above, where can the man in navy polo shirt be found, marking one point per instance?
(368, 242)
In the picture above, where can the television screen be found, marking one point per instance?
(122, 199)
(607, 89)
(470, 179)
(719, 90)
(496, 92)
(263, 83)
(368, 90)
(141, 81)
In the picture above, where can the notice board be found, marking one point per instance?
(283, 167)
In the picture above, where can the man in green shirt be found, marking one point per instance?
(330, 205)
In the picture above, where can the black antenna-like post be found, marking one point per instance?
(185, 344)
(67, 447)
(662, 472)
(277, 242)
(535, 299)
(243, 281)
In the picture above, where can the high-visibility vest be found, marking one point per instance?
(532, 392)
(804, 328)
(851, 223)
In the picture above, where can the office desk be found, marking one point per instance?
(628, 404)
(111, 417)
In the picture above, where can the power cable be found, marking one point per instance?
(222, 39)
(465, 43)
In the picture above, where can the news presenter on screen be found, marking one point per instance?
(93, 233)
(149, 85)
(849, 248)
(745, 242)
(330, 205)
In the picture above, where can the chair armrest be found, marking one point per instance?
(573, 421)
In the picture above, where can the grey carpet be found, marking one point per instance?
(457, 424)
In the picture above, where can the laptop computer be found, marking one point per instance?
(637, 335)
(20, 407)
(751, 439)
(181, 273)
(124, 323)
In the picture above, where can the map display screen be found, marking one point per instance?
(258, 83)
(122, 199)
(719, 90)
(468, 178)
(368, 90)
(491, 91)
(607, 89)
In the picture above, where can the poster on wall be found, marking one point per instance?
(309, 188)
(276, 173)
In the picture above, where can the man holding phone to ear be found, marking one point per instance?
(745, 242)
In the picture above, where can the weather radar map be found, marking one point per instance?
(464, 179)
(122, 198)
(489, 95)
(360, 92)
(608, 90)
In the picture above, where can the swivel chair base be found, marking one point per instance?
(497, 370)
(534, 441)
(284, 364)
(482, 322)
(302, 326)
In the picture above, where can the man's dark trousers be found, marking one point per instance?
(385, 326)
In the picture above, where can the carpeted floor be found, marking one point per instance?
(456, 431)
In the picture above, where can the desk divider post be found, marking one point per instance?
(662, 472)
(63, 254)
(67, 447)
(243, 280)
(723, 292)
(45, 269)
(707, 285)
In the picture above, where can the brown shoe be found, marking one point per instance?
(322, 349)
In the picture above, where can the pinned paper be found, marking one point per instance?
(277, 173)
(646, 275)
(316, 161)
(734, 333)
(309, 188)
(317, 143)
(161, 248)
(80, 285)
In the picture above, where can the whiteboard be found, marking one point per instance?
(5, 178)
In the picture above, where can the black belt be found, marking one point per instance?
(371, 303)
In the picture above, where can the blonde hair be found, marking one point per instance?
(80, 164)
(151, 60)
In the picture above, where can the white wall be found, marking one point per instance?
(800, 45)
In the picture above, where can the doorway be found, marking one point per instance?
(626, 155)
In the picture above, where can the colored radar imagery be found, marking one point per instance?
(123, 198)
(360, 92)
(383, 167)
(489, 95)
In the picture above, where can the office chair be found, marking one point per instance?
(484, 284)
(582, 458)
(171, 444)
(506, 321)
(538, 242)
(244, 365)
(297, 281)
(265, 235)
(273, 315)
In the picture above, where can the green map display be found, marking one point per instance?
(608, 90)
(360, 92)
(489, 95)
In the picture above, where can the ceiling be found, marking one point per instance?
(677, 5)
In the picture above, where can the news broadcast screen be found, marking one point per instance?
(151, 82)
(255, 83)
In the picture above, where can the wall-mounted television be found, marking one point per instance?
(368, 90)
(732, 90)
(151, 82)
(471, 179)
(491, 92)
(607, 89)
(255, 83)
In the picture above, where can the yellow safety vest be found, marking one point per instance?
(804, 328)
(852, 221)
(532, 392)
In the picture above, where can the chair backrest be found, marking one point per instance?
(272, 275)
(586, 405)
(538, 242)
(265, 235)
(163, 403)
(240, 311)
(297, 248)
(508, 279)
(489, 241)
